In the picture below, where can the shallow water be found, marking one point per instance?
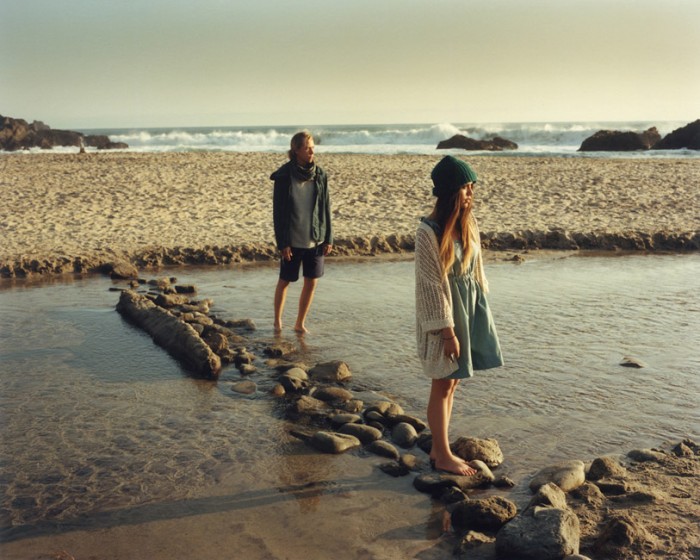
(102, 429)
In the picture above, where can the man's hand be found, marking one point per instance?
(286, 253)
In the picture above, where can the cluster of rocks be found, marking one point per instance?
(560, 238)
(686, 137)
(18, 134)
(493, 144)
(575, 507)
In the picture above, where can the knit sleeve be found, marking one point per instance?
(479, 273)
(433, 299)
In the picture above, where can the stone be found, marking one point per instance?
(620, 532)
(333, 394)
(334, 443)
(178, 338)
(363, 432)
(590, 494)
(629, 361)
(567, 475)
(646, 455)
(385, 408)
(120, 270)
(383, 449)
(548, 495)
(293, 384)
(687, 137)
(488, 514)
(244, 387)
(460, 141)
(605, 467)
(345, 418)
(486, 450)
(436, 483)
(246, 369)
(540, 533)
(620, 141)
(297, 373)
(331, 372)
(417, 423)
(309, 406)
(404, 435)
(473, 539)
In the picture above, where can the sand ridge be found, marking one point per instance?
(122, 203)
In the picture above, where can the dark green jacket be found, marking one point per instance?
(321, 229)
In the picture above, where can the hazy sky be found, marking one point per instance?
(112, 63)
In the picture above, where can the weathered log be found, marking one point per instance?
(178, 338)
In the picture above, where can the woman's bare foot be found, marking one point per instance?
(453, 465)
(277, 328)
(301, 329)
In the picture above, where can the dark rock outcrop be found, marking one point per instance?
(687, 137)
(619, 141)
(459, 141)
(18, 134)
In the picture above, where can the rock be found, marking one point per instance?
(331, 372)
(473, 539)
(459, 141)
(629, 361)
(567, 475)
(483, 469)
(297, 373)
(293, 384)
(605, 467)
(217, 342)
(618, 141)
(621, 533)
(488, 514)
(331, 442)
(646, 455)
(589, 494)
(119, 270)
(277, 390)
(409, 460)
(346, 418)
(383, 449)
(17, 134)
(539, 533)
(549, 495)
(486, 450)
(504, 482)
(682, 449)
(404, 435)
(363, 432)
(246, 369)
(437, 482)
(333, 394)
(308, 406)
(687, 137)
(178, 338)
(386, 409)
(244, 387)
(102, 142)
(394, 469)
(417, 423)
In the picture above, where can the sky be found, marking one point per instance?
(148, 63)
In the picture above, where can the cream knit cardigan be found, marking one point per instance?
(434, 300)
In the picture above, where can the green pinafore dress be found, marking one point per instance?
(474, 326)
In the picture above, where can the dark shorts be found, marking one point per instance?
(312, 259)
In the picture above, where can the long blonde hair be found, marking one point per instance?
(450, 217)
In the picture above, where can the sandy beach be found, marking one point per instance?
(72, 212)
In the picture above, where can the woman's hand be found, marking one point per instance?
(450, 344)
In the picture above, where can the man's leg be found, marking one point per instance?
(280, 298)
(307, 296)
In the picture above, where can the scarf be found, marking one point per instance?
(303, 173)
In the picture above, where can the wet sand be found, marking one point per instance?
(71, 212)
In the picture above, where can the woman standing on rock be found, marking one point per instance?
(455, 332)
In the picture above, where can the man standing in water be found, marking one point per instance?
(302, 217)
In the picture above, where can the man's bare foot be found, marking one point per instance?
(453, 465)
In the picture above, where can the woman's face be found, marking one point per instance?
(466, 194)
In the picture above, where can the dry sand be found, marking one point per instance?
(58, 207)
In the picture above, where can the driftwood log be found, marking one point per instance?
(176, 336)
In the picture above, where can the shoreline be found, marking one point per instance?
(68, 213)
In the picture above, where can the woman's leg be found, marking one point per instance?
(439, 412)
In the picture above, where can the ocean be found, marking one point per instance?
(533, 139)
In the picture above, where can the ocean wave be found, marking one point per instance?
(532, 138)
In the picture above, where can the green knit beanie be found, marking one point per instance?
(450, 174)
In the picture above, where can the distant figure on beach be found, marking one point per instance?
(302, 220)
(455, 333)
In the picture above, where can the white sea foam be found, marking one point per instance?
(551, 138)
